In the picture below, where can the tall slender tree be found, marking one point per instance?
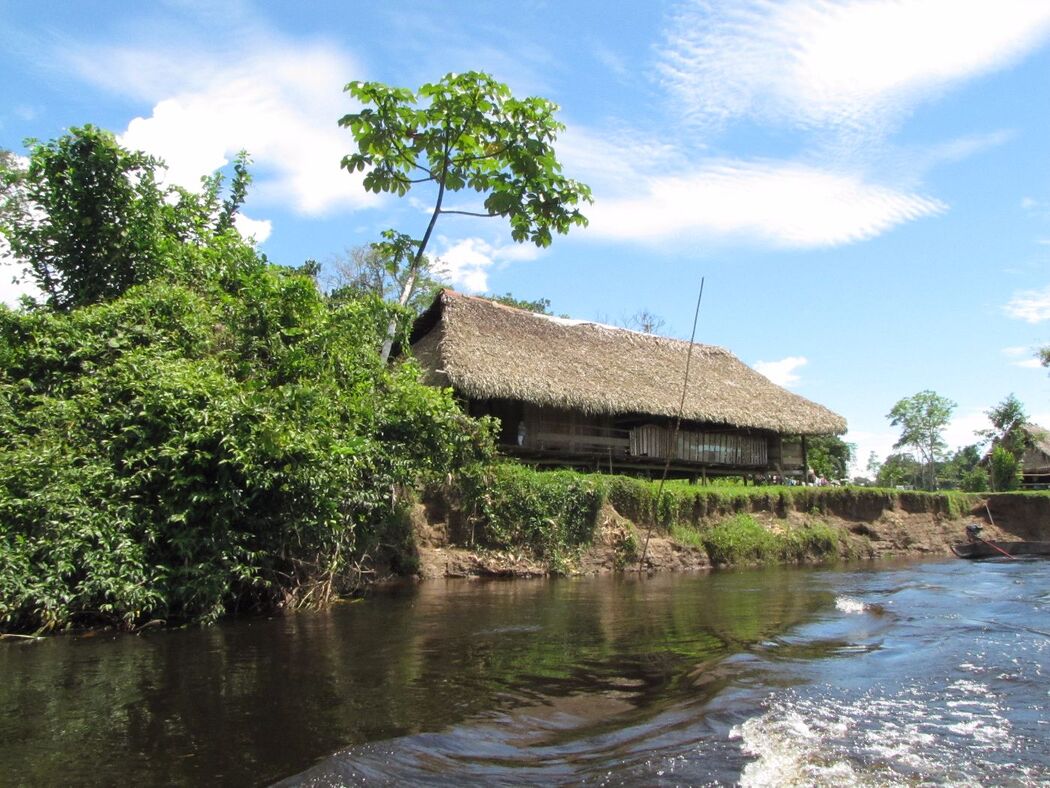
(922, 418)
(465, 131)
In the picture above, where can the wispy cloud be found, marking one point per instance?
(776, 203)
(1024, 357)
(1032, 306)
(857, 64)
(783, 372)
(828, 73)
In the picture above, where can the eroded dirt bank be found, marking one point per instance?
(871, 525)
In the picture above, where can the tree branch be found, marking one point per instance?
(471, 213)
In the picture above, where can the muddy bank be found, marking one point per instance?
(870, 524)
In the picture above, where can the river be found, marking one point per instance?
(918, 673)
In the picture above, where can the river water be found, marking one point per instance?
(920, 673)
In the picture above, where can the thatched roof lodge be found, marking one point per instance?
(1035, 462)
(582, 393)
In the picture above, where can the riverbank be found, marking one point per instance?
(450, 541)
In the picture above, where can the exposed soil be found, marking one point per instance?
(868, 532)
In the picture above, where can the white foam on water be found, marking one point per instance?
(787, 751)
(848, 604)
(913, 735)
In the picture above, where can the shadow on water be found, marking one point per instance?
(573, 666)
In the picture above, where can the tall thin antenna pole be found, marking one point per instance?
(677, 424)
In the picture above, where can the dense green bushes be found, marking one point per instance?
(179, 452)
(186, 429)
(550, 512)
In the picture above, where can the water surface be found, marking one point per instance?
(918, 673)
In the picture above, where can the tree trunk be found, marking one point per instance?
(391, 330)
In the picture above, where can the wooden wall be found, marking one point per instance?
(532, 428)
(702, 447)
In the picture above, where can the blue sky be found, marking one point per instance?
(865, 186)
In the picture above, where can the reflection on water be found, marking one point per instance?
(852, 676)
(253, 701)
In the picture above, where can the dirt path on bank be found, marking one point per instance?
(893, 532)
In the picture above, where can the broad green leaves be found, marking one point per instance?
(467, 132)
(464, 132)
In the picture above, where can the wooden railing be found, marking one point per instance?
(647, 442)
(578, 438)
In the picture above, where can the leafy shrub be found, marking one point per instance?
(180, 452)
(974, 480)
(1004, 470)
(812, 540)
(551, 512)
(740, 539)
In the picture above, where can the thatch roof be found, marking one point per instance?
(1037, 455)
(486, 350)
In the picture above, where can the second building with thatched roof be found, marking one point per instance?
(589, 395)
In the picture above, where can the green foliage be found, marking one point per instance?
(628, 548)
(1008, 419)
(687, 535)
(830, 456)
(466, 131)
(812, 540)
(922, 418)
(743, 540)
(898, 470)
(365, 270)
(551, 512)
(90, 220)
(974, 480)
(961, 468)
(541, 306)
(739, 540)
(180, 452)
(1004, 470)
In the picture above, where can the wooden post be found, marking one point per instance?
(805, 463)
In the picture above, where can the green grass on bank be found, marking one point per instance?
(555, 513)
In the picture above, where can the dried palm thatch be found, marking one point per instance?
(487, 350)
(1036, 457)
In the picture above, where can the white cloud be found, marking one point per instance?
(778, 203)
(1032, 306)
(466, 263)
(838, 63)
(1028, 363)
(10, 293)
(257, 230)
(277, 99)
(867, 441)
(1025, 357)
(782, 372)
(961, 430)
